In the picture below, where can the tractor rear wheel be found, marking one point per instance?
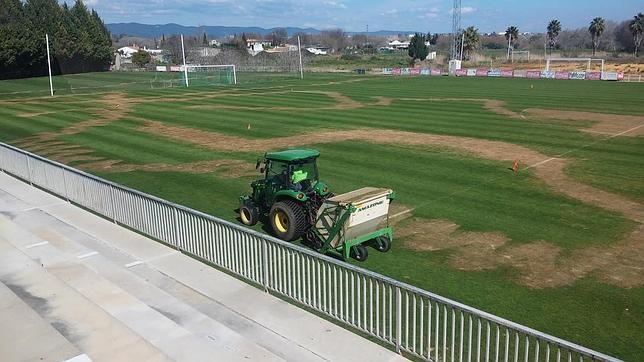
(359, 252)
(248, 215)
(288, 220)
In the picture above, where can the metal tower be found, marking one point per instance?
(456, 28)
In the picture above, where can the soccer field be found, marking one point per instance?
(558, 246)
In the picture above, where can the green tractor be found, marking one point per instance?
(297, 205)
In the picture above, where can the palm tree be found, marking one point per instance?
(554, 27)
(471, 40)
(637, 29)
(512, 35)
(596, 29)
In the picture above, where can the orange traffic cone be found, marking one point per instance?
(515, 166)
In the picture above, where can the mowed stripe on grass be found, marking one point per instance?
(479, 195)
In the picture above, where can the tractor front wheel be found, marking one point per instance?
(288, 220)
(248, 215)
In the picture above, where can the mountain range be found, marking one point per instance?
(157, 30)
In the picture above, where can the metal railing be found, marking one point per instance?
(413, 320)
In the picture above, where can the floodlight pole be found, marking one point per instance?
(299, 49)
(51, 85)
(185, 68)
(462, 45)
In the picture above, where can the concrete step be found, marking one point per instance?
(84, 324)
(87, 273)
(22, 326)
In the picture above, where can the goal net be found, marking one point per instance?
(575, 64)
(194, 76)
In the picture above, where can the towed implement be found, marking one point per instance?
(296, 204)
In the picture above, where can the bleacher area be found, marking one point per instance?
(76, 286)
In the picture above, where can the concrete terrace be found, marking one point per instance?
(76, 286)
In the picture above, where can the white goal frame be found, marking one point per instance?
(518, 52)
(588, 61)
(199, 66)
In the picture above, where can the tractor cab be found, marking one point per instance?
(292, 169)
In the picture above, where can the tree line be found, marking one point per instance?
(79, 40)
(600, 35)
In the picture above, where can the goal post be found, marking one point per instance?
(211, 74)
(197, 75)
(587, 61)
(519, 54)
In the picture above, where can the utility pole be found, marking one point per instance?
(462, 45)
(509, 45)
(367, 33)
(456, 27)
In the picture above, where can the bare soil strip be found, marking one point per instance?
(228, 168)
(551, 172)
(540, 264)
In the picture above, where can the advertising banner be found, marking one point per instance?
(548, 74)
(609, 76)
(507, 73)
(436, 72)
(162, 68)
(176, 68)
(593, 75)
(414, 71)
(562, 75)
(471, 72)
(481, 72)
(425, 71)
(578, 75)
(396, 71)
(404, 71)
(620, 76)
(461, 72)
(386, 71)
(533, 74)
(519, 73)
(494, 73)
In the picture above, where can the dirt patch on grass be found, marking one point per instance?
(550, 170)
(226, 167)
(539, 264)
(382, 101)
(608, 124)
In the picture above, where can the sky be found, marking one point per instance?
(355, 15)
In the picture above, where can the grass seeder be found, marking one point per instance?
(296, 204)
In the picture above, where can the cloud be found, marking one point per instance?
(334, 4)
(467, 10)
(464, 10)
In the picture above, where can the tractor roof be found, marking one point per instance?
(292, 155)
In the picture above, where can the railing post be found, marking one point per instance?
(265, 269)
(113, 205)
(398, 320)
(28, 170)
(175, 227)
(65, 185)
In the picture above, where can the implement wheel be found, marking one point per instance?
(359, 252)
(382, 244)
(288, 220)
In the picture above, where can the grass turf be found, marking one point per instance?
(479, 195)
